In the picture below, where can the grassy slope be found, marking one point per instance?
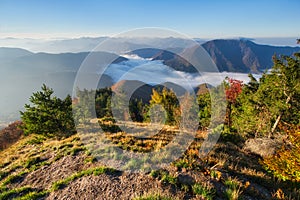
(36, 167)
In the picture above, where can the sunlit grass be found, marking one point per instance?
(34, 151)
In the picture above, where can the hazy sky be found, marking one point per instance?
(204, 19)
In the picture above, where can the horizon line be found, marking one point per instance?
(106, 36)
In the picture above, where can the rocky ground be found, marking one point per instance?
(36, 167)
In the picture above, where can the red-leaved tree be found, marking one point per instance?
(233, 89)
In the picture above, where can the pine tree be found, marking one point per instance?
(285, 76)
(246, 111)
(274, 100)
(204, 113)
(85, 107)
(49, 115)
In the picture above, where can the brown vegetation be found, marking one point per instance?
(10, 134)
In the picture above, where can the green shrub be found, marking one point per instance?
(36, 140)
(284, 164)
(112, 128)
(182, 163)
(233, 190)
(204, 191)
(154, 173)
(169, 179)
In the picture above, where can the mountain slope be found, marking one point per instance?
(45, 62)
(143, 91)
(243, 55)
(229, 55)
(7, 53)
(146, 52)
(174, 61)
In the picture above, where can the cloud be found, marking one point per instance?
(155, 72)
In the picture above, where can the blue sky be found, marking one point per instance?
(203, 19)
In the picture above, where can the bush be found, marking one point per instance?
(10, 135)
(234, 190)
(284, 164)
(204, 191)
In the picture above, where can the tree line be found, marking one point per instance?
(257, 108)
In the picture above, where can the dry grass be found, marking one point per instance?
(34, 151)
(228, 168)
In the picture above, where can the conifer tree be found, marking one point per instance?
(48, 115)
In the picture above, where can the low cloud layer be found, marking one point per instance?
(155, 72)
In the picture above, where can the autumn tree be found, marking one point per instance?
(232, 91)
(169, 101)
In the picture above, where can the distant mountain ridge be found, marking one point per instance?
(85, 44)
(229, 55)
(12, 53)
(244, 55)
